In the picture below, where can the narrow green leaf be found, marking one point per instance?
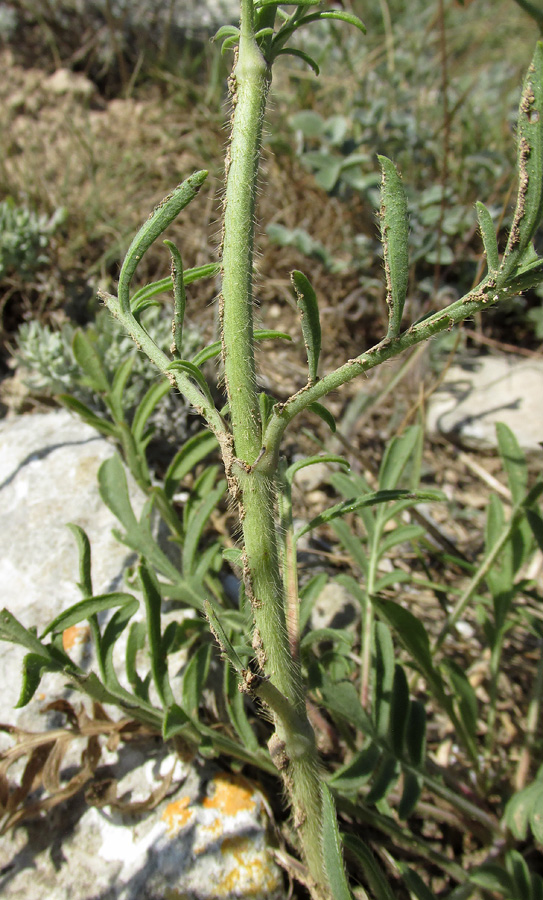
(309, 594)
(159, 663)
(395, 240)
(332, 851)
(323, 414)
(415, 734)
(113, 489)
(385, 777)
(83, 610)
(396, 456)
(351, 777)
(235, 707)
(146, 407)
(88, 358)
(222, 638)
(84, 551)
(12, 631)
(488, 234)
(518, 869)
(88, 416)
(195, 528)
(299, 54)
(529, 206)
(175, 721)
(115, 398)
(135, 643)
(158, 221)
(194, 679)
(383, 678)
(226, 31)
(313, 460)
(371, 499)
(188, 368)
(165, 285)
(415, 884)
(412, 789)
(342, 699)
(187, 458)
(34, 667)
(373, 873)
(514, 462)
(179, 298)
(399, 712)
(535, 522)
(356, 549)
(404, 534)
(310, 321)
(492, 877)
(265, 405)
(465, 696)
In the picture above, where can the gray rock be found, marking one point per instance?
(207, 839)
(482, 391)
(48, 477)
(207, 835)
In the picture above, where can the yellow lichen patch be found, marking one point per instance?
(251, 873)
(233, 794)
(177, 815)
(74, 636)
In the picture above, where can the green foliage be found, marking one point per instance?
(24, 239)
(378, 686)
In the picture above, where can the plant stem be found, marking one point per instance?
(293, 747)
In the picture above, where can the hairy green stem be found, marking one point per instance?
(293, 746)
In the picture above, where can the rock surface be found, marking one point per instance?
(161, 828)
(485, 390)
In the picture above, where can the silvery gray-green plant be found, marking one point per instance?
(249, 430)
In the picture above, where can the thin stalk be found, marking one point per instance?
(367, 624)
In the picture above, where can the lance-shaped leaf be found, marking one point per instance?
(394, 235)
(145, 409)
(323, 414)
(188, 368)
(158, 221)
(375, 877)
(311, 326)
(88, 358)
(179, 297)
(488, 234)
(332, 851)
(214, 349)
(159, 663)
(144, 296)
(529, 208)
(84, 550)
(85, 609)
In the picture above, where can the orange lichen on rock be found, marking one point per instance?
(74, 636)
(177, 815)
(233, 794)
(251, 874)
